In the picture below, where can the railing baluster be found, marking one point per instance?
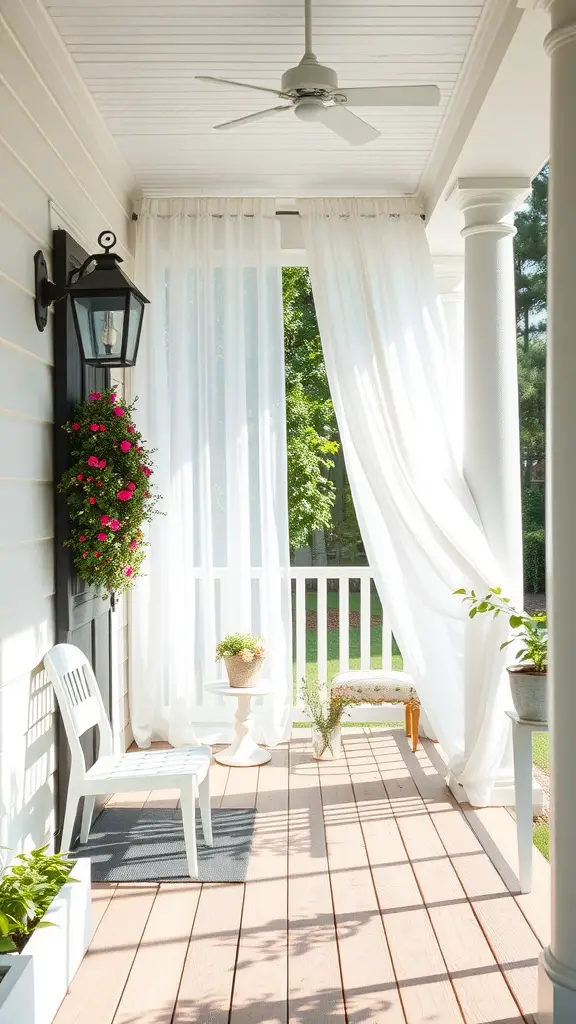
(321, 628)
(386, 643)
(300, 635)
(365, 621)
(344, 623)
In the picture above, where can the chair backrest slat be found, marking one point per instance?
(79, 700)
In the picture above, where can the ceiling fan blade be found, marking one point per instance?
(347, 125)
(242, 85)
(393, 96)
(250, 117)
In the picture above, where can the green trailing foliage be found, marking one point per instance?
(27, 889)
(529, 630)
(109, 492)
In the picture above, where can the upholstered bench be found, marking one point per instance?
(377, 686)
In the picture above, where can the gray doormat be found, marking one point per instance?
(128, 844)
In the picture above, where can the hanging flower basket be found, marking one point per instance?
(108, 491)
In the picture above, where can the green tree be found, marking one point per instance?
(530, 260)
(310, 419)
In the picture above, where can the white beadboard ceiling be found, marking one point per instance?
(139, 58)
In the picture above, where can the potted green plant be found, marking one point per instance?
(45, 921)
(242, 655)
(326, 713)
(528, 675)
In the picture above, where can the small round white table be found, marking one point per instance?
(243, 752)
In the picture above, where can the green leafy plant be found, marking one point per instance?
(530, 630)
(108, 491)
(250, 648)
(27, 889)
(324, 709)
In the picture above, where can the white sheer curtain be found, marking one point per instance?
(210, 381)
(391, 374)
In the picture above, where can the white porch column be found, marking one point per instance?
(491, 419)
(558, 973)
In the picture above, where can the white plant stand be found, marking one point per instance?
(522, 740)
(51, 956)
(243, 752)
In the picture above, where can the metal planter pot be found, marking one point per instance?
(529, 693)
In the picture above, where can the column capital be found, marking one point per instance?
(489, 203)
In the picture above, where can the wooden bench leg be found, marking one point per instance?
(408, 717)
(415, 721)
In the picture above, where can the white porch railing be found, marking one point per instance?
(318, 651)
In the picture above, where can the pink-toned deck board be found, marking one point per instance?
(369, 898)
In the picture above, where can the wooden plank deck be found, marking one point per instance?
(371, 898)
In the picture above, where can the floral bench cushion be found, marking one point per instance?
(375, 686)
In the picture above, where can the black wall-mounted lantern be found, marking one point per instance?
(107, 308)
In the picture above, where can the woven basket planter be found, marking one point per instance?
(242, 673)
(529, 694)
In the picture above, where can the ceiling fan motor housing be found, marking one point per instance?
(309, 78)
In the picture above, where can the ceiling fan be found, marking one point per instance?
(314, 95)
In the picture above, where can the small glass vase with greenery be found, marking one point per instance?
(27, 888)
(326, 713)
(242, 655)
(528, 675)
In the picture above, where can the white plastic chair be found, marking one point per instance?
(81, 707)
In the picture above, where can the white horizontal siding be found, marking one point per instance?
(43, 160)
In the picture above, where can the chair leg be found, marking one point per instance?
(408, 717)
(205, 813)
(187, 801)
(415, 724)
(72, 801)
(87, 815)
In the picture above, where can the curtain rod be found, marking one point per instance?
(284, 213)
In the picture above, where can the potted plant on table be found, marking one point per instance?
(326, 712)
(45, 916)
(242, 655)
(528, 676)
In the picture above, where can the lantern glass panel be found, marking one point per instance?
(136, 313)
(101, 322)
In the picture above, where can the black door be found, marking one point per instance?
(82, 616)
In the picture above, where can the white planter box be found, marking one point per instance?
(52, 955)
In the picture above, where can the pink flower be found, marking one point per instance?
(98, 483)
(93, 461)
(115, 525)
(133, 545)
(89, 479)
(102, 464)
(80, 476)
(147, 494)
(82, 539)
(84, 554)
(97, 554)
(75, 426)
(102, 427)
(104, 520)
(128, 570)
(146, 470)
(94, 427)
(131, 486)
(95, 395)
(125, 446)
(102, 536)
(130, 428)
(118, 410)
(112, 398)
(247, 655)
(124, 495)
(139, 448)
(92, 501)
